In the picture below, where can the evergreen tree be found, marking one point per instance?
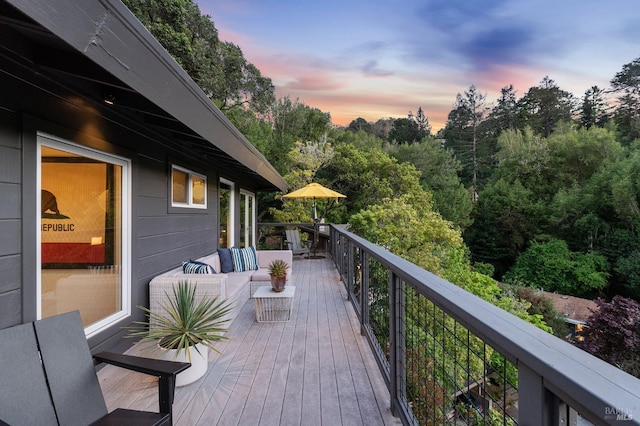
(546, 105)
(595, 110)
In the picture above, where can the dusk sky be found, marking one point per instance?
(384, 58)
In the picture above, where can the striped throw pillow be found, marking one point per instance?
(195, 267)
(244, 259)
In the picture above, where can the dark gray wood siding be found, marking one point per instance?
(10, 224)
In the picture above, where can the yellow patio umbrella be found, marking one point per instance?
(314, 191)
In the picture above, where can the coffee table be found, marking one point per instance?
(274, 306)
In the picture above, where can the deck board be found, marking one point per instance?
(313, 370)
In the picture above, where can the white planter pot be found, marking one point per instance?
(199, 363)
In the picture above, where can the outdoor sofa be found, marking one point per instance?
(220, 276)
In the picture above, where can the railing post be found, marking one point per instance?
(364, 291)
(396, 342)
(350, 272)
(536, 403)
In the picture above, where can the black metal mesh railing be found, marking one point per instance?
(450, 375)
(436, 346)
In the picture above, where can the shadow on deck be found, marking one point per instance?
(314, 369)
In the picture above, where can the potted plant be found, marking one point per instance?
(186, 330)
(278, 272)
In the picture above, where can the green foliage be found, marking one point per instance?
(368, 176)
(627, 114)
(524, 157)
(360, 124)
(594, 110)
(553, 267)
(186, 321)
(542, 306)
(306, 159)
(504, 224)
(576, 155)
(484, 268)
(278, 268)
(219, 68)
(545, 106)
(293, 122)
(406, 226)
(439, 175)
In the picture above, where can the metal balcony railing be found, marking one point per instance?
(449, 357)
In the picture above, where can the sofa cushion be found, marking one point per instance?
(196, 267)
(244, 259)
(226, 264)
(261, 274)
(265, 257)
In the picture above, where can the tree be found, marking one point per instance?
(612, 333)
(595, 110)
(360, 124)
(523, 156)
(243, 84)
(576, 155)
(292, 121)
(504, 116)
(546, 105)
(423, 123)
(462, 131)
(503, 225)
(382, 127)
(405, 130)
(306, 159)
(367, 176)
(439, 175)
(219, 68)
(627, 115)
(553, 267)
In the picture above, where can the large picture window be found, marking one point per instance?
(83, 230)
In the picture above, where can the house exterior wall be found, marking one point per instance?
(10, 224)
(161, 236)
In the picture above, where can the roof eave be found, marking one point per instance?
(106, 32)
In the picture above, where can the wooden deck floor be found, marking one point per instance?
(313, 370)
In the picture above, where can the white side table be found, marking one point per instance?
(272, 306)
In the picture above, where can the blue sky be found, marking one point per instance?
(384, 58)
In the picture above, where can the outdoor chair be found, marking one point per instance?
(295, 244)
(48, 377)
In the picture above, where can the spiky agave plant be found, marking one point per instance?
(278, 268)
(185, 323)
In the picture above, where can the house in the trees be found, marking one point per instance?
(114, 166)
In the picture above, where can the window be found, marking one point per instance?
(83, 233)
(247, 219)
(226, 209)
(188, 189)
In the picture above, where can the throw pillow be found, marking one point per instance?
(226, 264)
(244, 259)
(195, 267)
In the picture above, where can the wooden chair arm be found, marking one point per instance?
(166, 372)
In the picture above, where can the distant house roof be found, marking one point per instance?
(573, 308)
(100, 47)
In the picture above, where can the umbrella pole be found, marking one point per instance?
(315, 231)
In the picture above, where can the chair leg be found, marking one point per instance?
(166, 389)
